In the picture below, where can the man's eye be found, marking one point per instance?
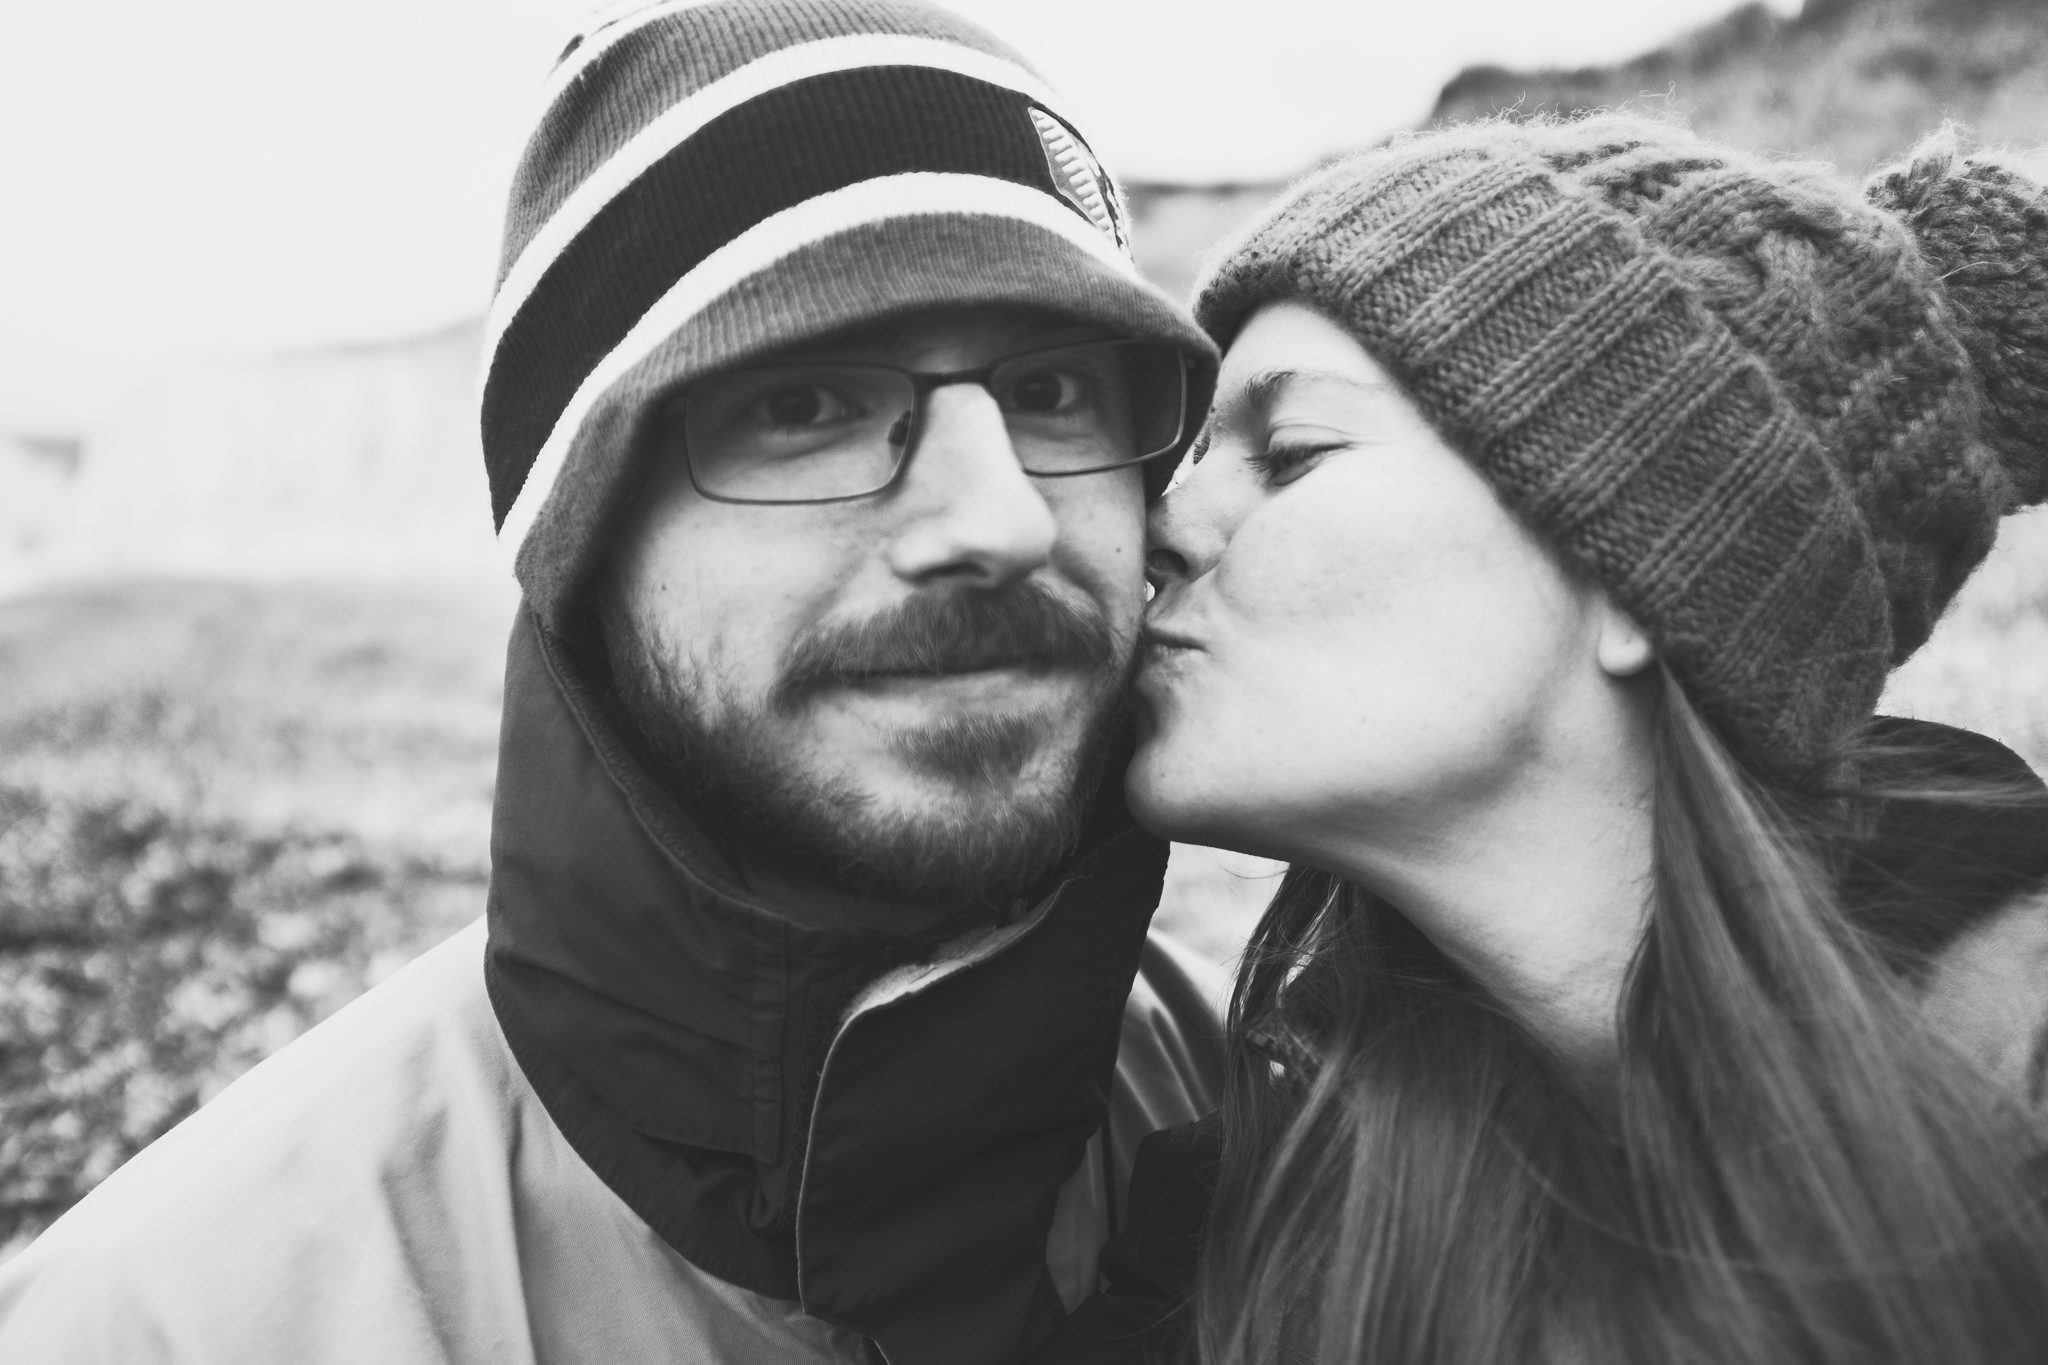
(796, 406)
(1043, 392)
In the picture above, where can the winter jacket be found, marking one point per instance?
(639, 1115)
(1970, 935)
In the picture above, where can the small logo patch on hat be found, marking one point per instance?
(1081, 179)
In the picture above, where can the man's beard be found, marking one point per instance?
(984, 837)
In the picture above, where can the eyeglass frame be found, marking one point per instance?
(924, 383)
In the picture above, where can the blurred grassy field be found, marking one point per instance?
(224, 812)
(1987, 665)
(1853, 82)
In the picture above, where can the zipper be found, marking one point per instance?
(997, 942)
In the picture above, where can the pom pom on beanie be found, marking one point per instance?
(1982, 223)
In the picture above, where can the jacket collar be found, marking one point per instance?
(677, 1031)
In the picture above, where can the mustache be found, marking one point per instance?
(953, 632)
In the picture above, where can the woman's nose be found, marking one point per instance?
(1164, 566)
(1179, 541)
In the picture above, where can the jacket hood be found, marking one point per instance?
(1933, 870)
(875, 1124)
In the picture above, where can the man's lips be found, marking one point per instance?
(963, 667)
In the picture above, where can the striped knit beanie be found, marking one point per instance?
(710, 182)
(1775, 419)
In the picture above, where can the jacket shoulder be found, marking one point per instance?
(285, 1219)
(1986, 992)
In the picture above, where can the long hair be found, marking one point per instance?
(1788, 1165)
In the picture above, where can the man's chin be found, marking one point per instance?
(958, 815)
(999, 751)
(978, 765)
(961, 731)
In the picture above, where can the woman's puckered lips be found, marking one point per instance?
(1158, 649)
(1152, 636)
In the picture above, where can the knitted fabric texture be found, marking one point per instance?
(708, 183)
(1734, 392)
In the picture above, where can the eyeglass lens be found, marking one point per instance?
(800, 432)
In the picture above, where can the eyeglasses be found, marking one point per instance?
(826, 431)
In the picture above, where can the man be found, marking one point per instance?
(822, 406)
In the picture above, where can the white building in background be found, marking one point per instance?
(38, 476)
(358, 461)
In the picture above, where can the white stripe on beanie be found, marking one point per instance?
(914, 194)
(603, 31)
(678, 123)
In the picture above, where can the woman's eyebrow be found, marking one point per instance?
(1266, 388)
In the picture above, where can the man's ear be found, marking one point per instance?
(1623, 649)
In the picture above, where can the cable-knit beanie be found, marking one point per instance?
(709, 181)
(1776, 419)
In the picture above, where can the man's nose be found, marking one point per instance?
(970, 512)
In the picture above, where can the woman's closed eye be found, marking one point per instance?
(1287, 457)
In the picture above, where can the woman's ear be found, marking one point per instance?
(1623, 649)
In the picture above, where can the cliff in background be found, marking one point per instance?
(339, 462)
(1855, 82)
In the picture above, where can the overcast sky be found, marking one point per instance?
(200, 176)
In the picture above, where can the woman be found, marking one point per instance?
(1570, 491)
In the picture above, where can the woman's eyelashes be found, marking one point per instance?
(1285, 458)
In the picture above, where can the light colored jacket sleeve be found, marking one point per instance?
(346, 1200)
(1987, 992)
